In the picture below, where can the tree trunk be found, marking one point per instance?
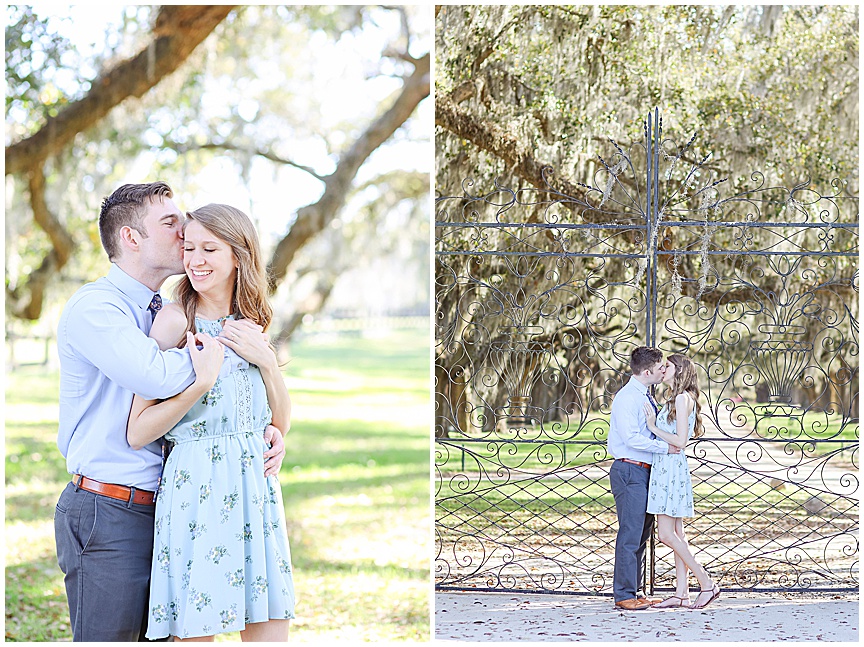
(25, 301)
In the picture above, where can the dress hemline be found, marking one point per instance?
(228, 630)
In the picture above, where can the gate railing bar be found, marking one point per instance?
(539, 225)
(712, 223)
(658, 253)
(555, 254)
(721, 252)
(636, 227)
(655, 222)
(603, 442)
(652, 158)
(729, 589)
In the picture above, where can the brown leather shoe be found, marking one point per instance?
(632, 605)
(649, 600)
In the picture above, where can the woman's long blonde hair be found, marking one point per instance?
(249, 297)
(684, 382)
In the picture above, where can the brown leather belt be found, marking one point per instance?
(647, 466)
(120, 492)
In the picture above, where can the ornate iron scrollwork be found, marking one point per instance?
(541, 296)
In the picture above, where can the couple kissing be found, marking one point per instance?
(649, 476)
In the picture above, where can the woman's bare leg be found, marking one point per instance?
(668, 536)
(270, 631)
(679, 528)
(682, 583)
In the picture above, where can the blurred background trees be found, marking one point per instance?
(311, 119)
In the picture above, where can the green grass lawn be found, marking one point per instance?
(355, 483)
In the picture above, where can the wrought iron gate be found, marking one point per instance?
(540, 298)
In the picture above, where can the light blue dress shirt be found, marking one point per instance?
(106, 357)
(628, 432)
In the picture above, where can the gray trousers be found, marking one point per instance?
(629, 485)
(104, 548)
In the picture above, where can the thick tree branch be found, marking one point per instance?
(312, 218)
(34, 289)
(61, 240)
(323, 288)
(179, 29)
(490, 138)
(228, 146)
(463, 91)
(339, 259)
(62, 247)
(392, 52)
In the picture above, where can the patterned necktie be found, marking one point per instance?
(155, 306)
(653, 403)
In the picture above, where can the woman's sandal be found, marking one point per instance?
(715, 593)
(682, 602)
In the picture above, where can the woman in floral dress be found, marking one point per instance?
(670, 492)
(221, 560)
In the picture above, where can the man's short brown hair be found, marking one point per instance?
(643, 358)
(124, 208)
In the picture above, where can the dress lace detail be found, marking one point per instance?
(243, 389)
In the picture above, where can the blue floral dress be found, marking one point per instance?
(670, 491)
(220, 556)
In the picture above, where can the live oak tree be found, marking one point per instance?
(176, 33)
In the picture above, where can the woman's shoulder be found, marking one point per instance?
(171, 313)
(686, 401)
(170, 324)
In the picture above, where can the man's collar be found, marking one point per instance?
(642, 388)
(140, 294)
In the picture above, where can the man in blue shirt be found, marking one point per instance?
(633, 447)
(104, 518)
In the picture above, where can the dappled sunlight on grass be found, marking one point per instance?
(359, 533)
(33, 505)
(359, 408)
(29, 542)
(340, 381)
(367, 607)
